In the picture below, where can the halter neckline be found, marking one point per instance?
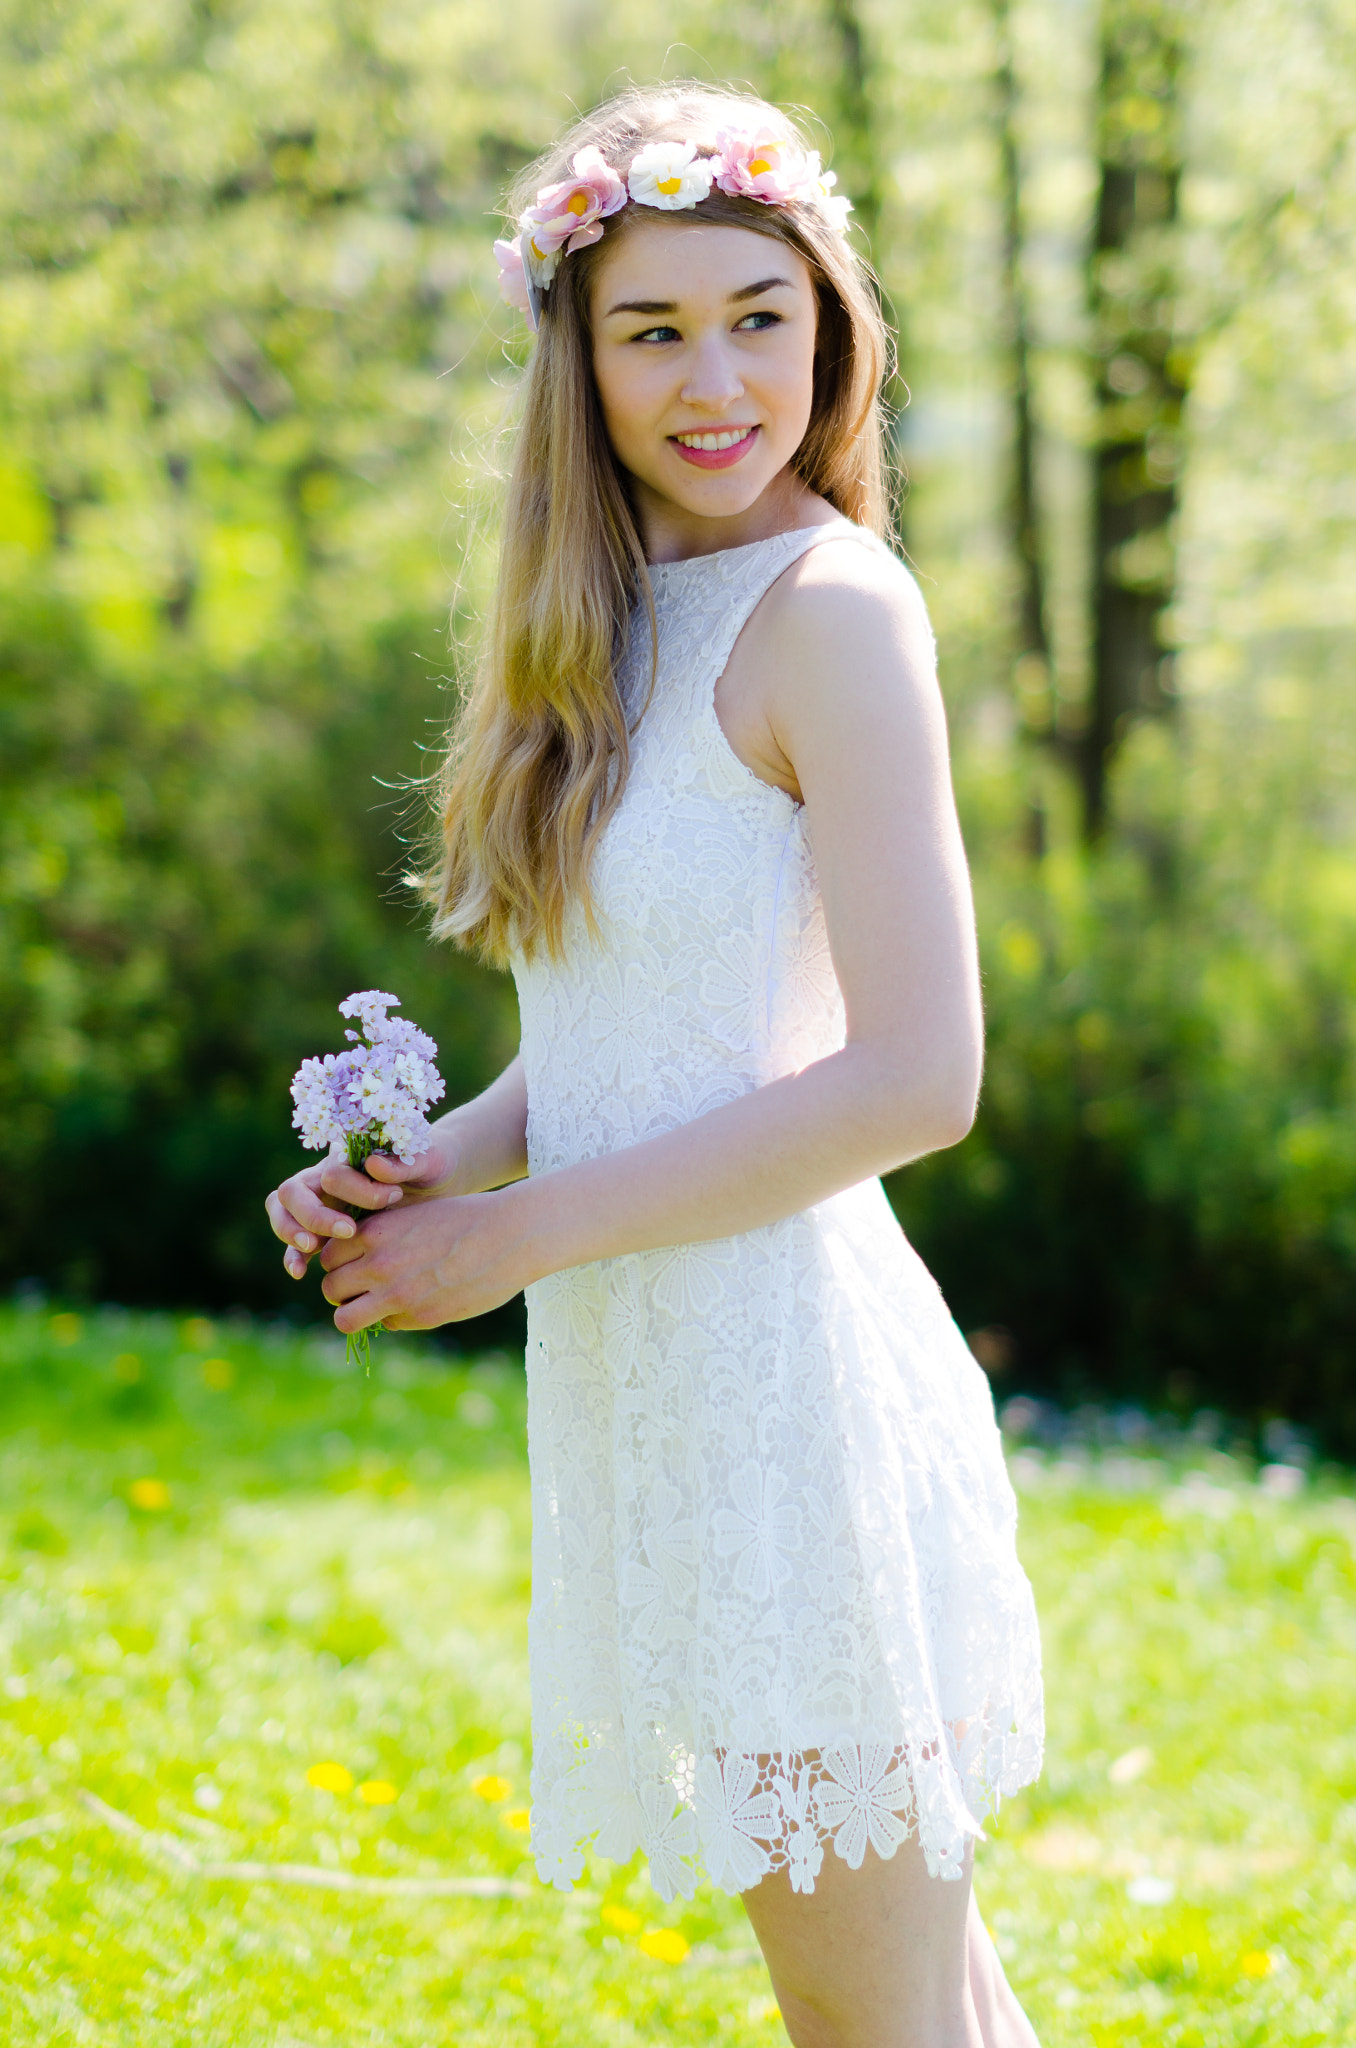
(668, 570)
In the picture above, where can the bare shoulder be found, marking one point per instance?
(848, 627)
(853, 602)
(837, 658)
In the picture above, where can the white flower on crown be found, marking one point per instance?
(836, 205)
(671, 176)
(538, 269)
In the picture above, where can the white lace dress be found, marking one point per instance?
(775, 1596)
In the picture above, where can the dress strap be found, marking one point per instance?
(750, 580)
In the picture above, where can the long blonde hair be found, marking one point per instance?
(538, 757)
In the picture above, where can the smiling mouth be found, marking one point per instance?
(715, 450)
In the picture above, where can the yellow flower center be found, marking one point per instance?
(668, 185)
(757, 165)
(578, 202)
(540, 254)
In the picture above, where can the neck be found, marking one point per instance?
(673, 534)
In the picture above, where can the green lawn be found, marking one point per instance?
(225, 1561)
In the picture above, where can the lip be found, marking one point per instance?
(716, 458)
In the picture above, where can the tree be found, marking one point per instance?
(1031, 636)
(1140, 381)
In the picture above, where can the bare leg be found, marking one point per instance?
(1002, 2023)
(884, 1957)
(872, 1958)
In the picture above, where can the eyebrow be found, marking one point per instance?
(748, 291)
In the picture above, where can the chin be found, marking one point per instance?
(718, 496)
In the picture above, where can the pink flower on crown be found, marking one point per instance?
(512, 276)
(570, 215)
(758, 163)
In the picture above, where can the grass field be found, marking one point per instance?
(257, 1611)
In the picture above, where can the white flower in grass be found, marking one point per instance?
(671, 176)
(865, 1795)
(736, 1821)
(669, 1840)
(758, 1530)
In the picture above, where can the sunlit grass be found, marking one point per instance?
(273, 1613)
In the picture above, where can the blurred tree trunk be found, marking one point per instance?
(1031, 652)
(1140, 382)
(857, 160)
(856, 150)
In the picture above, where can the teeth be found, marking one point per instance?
(712, 442)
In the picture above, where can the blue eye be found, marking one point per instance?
(765, 320)
(662, 333)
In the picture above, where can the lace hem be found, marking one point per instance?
(732, 1818)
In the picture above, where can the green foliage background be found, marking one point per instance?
(252, 379)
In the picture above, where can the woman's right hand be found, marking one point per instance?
(299, 1215)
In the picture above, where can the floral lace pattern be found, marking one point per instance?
(776, 1602)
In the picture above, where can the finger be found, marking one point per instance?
(313, 1220)
(346, 1283)
(336, 1252)
(285, 1225)
(361, 1313)
(295, 1263)
(383, 1168)
(346, 1184)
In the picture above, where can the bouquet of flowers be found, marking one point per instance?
(370, 1098)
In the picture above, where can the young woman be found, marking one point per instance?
(700, 802)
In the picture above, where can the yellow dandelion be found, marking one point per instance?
(665, 1944)
(217, 1373)
(621, 1919)
(149, 1494)
(330, 1777)
(520, 1819)
(492, 1788)
(127, 1368)
(65, 1329)
(376, 1792)
(1256, 1963)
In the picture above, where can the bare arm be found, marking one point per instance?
(488, 1135)
(858, 715)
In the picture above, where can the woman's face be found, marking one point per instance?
(703, 352)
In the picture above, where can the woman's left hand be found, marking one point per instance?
(435, 1262)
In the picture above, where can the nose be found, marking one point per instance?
(713, 382)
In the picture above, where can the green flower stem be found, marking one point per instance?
(361, 1146)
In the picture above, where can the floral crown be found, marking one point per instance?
(748, 163)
